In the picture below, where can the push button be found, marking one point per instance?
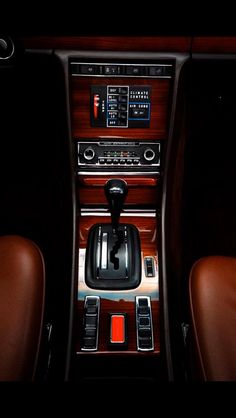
(149, 266)
(111, 69)
(123, 90)
(133, 70)
(117, 330)
(87, 69)
(122, 99)
(90, 321)
(156, 71)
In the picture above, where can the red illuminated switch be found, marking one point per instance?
(118, 330)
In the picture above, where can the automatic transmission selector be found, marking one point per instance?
(113, 256)
(116, 191)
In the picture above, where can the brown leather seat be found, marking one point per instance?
(212, 288)
(22, 287)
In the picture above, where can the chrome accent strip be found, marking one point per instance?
(130, 214)
(120, 63)
(98, 316)
(150, 327)
(98, 251)
(117, 140)
(126, 254)
(107, 173)
(104, 251)
(124, 210)
(119, 164)
(119, 75)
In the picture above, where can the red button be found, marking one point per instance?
(117, 329)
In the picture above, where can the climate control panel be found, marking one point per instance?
(119, 106)
(116, 155)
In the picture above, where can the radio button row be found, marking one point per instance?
(122, 161)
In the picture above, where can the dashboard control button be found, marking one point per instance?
(122, 99)
(149, 266)
(156, 71)
(111, 69)
(133, 70)
(87, 69)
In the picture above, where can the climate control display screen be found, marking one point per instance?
(120, 106)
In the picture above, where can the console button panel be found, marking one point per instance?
(144, 326)
(158, 70)
(90, 323)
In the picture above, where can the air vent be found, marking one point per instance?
(6, 48)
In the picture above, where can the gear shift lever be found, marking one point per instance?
(113, 254)
(116, 191)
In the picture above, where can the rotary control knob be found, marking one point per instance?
(6, 48)
(89, 153)
(149, 154)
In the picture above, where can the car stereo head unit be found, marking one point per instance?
(116, 156)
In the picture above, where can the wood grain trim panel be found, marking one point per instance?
(204, 44)
(216, 44)
(131, 181)
(80, 109)
(108, 43)
(137, 196)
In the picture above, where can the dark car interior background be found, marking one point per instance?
(118, 161)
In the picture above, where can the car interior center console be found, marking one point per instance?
(120, 112)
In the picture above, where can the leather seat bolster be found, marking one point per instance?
(212, 289)
(22, 290)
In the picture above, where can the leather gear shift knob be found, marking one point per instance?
(116, 191)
